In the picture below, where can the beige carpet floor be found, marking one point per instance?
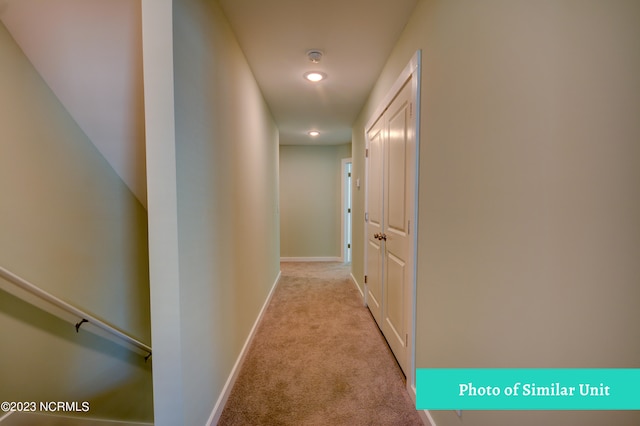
(318, 358)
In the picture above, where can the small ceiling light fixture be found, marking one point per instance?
(314, 133)
(315, 76)
(315, 55)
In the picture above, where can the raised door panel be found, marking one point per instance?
(375, 166)
(398, 163)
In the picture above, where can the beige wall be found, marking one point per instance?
(529, 201)
(71, 226)
(213, 202)
(310, 203)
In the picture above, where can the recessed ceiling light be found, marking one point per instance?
(314, 133)
(315, 76)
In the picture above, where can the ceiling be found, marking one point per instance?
(356, 37)
(90, 54)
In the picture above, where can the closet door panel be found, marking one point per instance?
(398, 189)
(375, 224)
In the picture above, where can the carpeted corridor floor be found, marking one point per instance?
(318, 358)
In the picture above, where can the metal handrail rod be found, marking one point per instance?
(35, 290)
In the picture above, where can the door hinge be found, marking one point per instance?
(366, 153)
(349, 174)
(409, 227)
(348, 210)
(366, 217)
(365, 279)
(406, 340)
(348, 245)
(410, 109)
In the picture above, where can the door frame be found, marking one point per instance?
(411, 71)
(345, 227)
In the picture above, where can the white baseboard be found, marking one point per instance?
(311, 259)
(426, 418)
(425, 415)
(226, 391)
(30, 418)
(355, 282)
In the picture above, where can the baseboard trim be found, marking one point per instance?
(226, 390)
(355, 282)
(426, 418)
(425, 415)
(22, 418)
(311, 259)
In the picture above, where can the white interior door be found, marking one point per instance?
(398, 210)
(374, 223)
(391, 183)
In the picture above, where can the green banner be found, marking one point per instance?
(527, 389)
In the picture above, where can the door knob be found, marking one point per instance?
(376, 236)
(383, 237)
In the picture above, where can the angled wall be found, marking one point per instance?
(529, 201)
(212, 149)
(71, 226)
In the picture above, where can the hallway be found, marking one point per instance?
(144, 143)
(318, 358)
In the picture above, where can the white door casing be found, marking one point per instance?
(346, 221)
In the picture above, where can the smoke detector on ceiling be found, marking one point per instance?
(314, 55)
